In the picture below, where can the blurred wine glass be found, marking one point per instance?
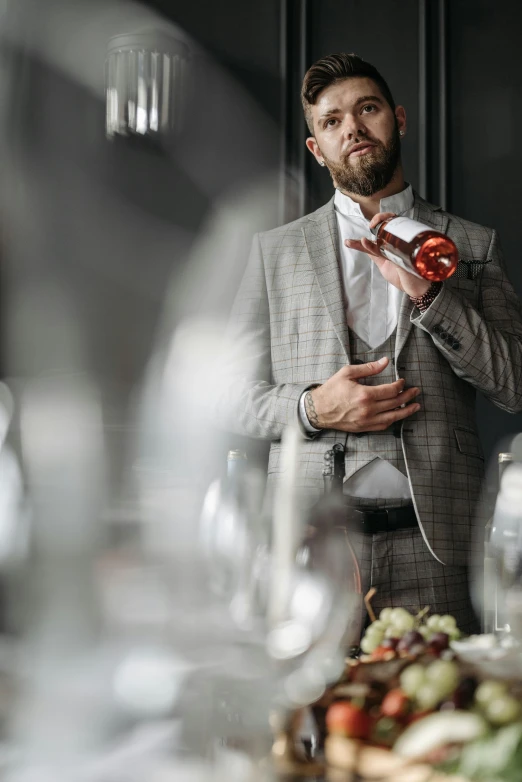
(290, 582)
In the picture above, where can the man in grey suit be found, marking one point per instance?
(361, 352)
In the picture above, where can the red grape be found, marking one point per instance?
(464, 693)
(390, 643)
(439, 642)
(409, 639)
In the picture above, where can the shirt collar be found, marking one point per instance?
(397, 203)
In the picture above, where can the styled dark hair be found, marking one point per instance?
(334, 68)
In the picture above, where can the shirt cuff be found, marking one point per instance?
(307, 426)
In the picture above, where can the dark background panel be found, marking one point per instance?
(485, 113)
(242, 36)
(385, 34)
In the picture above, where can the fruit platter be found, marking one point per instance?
(409, 709)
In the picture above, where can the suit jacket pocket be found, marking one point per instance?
(469, 268)
(468, 442)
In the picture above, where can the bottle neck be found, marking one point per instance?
(504, 460)
(236, 464)
(376, 228)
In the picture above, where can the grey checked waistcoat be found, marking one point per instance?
(361, 449)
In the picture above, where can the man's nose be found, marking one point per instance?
(353, 127)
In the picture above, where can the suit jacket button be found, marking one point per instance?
(455, 345)
(444, 335)
(437, 329)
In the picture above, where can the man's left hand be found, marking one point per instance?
(403, 280)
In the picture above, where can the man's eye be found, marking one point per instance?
(370, 107)
(330, 122)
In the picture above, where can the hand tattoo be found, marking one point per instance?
(311, 411)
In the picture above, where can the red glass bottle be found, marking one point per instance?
(417, 248)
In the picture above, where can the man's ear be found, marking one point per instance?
(400, 113)
(313, 147)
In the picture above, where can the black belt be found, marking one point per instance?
(382, 520)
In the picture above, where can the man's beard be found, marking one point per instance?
(372, 172)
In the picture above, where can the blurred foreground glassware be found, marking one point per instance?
(492, 611)
(14, 511)
(230, 527)
(506, 548)
(146, 75)
(298, 588)
(62, 712)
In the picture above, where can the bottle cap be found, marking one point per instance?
(236, 455)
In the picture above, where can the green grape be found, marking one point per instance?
(404, 625)
(385, 615)
(378, 625)
(411, 679)
(402, 620)
(427, 696)
(444, 676)
(399, 613)
(368, 645)
(489, 691)
(447, 624)
(433, 622)
(374, 634)
(455, 634)
(425, 632)
(502, 710)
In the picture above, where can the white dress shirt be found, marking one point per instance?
(372, 311)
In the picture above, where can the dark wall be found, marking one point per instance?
(485, 150)
(243, 36)
(348, 27)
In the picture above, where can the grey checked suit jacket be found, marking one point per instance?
(289, 321)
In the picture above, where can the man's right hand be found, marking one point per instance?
(343, 403)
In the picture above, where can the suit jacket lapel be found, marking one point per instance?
(321, 237)
(435, 218)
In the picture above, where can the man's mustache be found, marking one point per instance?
(359, 140)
